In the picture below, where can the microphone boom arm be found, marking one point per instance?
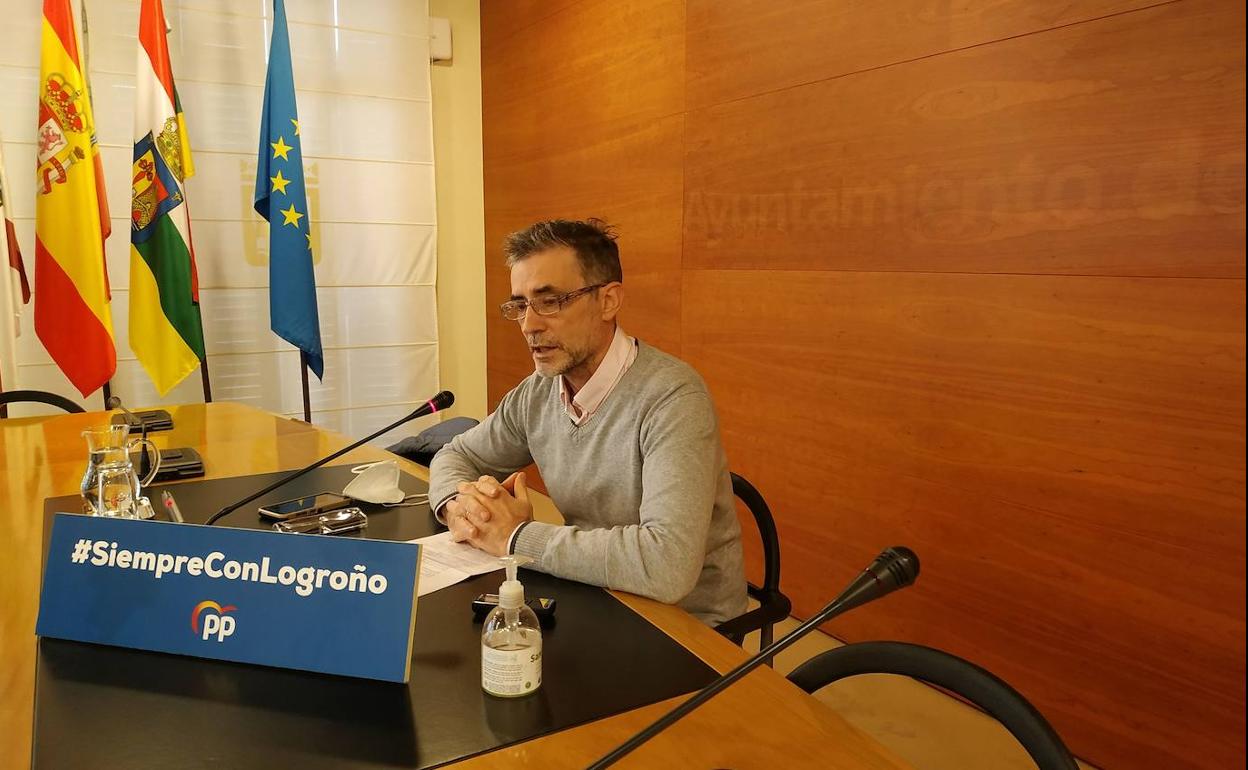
(866, 586)
(435, 404)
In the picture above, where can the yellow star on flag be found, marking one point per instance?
(309, 236)
(291, 217)
(292, 120)
(279, 183)
(280, 148)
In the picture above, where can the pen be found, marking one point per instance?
(172, 506)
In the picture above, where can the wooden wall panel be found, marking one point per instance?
(748, 47)
(1087, 150)
(504, 18)
(982, 266)
(1067, 393)
(583, 116)
(1066, 454)
(588, 67)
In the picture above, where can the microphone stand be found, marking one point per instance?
(145, 462)
(424, 409)
(133, 420)
(843, 603)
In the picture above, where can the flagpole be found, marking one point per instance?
(280, 190)
(203, 375)
(307, 402)
(108, 393)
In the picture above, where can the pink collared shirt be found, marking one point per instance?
(620, 356)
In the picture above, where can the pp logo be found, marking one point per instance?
(215, 624)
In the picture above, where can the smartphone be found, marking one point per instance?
(543, 608)
(304, 506)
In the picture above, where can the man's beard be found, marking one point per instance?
(572, 360)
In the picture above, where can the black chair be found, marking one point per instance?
(421, 448)
(961, 677)
(774, 606)
(36, 396)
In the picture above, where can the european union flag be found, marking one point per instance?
(280, 192)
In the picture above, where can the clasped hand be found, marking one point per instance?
(486, 512)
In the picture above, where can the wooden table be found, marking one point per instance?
(761, 722)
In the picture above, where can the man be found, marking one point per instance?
(625, 436)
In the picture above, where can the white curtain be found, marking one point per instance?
(362, 76)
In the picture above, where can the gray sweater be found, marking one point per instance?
(643, 485)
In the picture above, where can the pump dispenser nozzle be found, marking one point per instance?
(511, 592)
(510, 563)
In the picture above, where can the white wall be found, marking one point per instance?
(462, 250)
(362, 74)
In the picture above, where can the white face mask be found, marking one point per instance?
(376, 483)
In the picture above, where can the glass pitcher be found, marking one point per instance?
(110, 487)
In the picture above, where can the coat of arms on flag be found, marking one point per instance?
(155, 186)
(60, 112)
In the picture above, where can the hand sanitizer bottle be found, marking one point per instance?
(511, 641)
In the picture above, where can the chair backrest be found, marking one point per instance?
(41, 397)
(773, 606)
(423, 446)
(766, 529)
(978, 685)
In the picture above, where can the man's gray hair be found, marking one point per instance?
(593, 242)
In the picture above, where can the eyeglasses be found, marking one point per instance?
(515, 309)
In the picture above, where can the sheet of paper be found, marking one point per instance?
(444, 563)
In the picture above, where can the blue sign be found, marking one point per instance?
(332, 605)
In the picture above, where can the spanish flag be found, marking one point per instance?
(166, 330)
(72, 316)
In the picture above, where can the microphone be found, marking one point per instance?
(145, 464)
(435, 404)
(895, 568)
(114, 402)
